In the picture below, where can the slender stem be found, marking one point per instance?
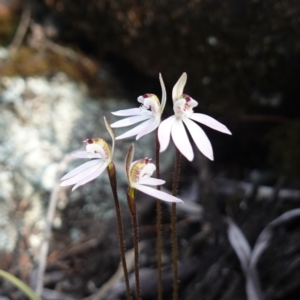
(174, 226)
(136, 256)
(113, 182)
(132, 207)
(48, 229)
(158, 225)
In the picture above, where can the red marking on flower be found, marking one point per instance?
(89, 141)
(187, 98)
(145, 96)
(147, 160)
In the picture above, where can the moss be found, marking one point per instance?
(8, 25)
(30, 62)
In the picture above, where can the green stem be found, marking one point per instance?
(20, 285)
(174, 226)
(111, 170)
(132, 207)
(158, 226)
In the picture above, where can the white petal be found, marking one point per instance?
(81, 168)
(164, 132)
(164, 94)
(178, 87)
(210, 122)
(129, 121)
(82, 175)
(136, 130)
(130, 112)
(151, 181)
(85, 154)
(181, 140)
(79, 154)
(156, 193)
(150, 127)
(91, 176)
(200, 138)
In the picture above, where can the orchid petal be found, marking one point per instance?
(210, 122)
(78, 177)
(181, 140)
(200, 138)
(135, 130)
(150, 127)
(156, 193)
(164, 94)
(85, 154)
(164, 132)
(81, 168)
(179, 86)
(129, 121)
(151, 181)
(91, 176)
(131, 112)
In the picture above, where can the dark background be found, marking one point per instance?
(242, 58)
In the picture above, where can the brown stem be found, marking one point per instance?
(174, 226)
(132, 207)
(158, 225)
(111, 170)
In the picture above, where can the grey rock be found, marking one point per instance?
(41, 120)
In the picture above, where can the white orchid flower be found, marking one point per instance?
(150, 111)
(139, 175)
(100, 155)
(184, 114)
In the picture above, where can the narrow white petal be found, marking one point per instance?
(80, 176)
(130, 112)
(91, 176)
(164, 94)
(156, 193)
(179, 86)
(164, 132)
(81, 168)
(151, 181)
(129, 121)
(210, 122)
(136, 130)
(150, 127)
(181, 140)
(200, 138)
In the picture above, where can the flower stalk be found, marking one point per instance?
(174, 225)
(139, 175)
(133, 212)
(111, 170)
(158, 225)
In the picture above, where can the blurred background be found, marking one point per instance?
(66, 64)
